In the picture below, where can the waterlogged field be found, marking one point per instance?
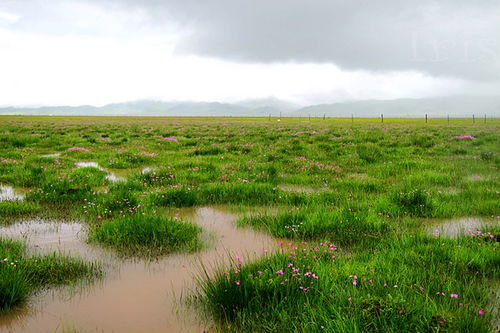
(245, 225)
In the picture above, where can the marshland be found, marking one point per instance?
(133, 224)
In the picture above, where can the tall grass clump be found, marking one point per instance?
(21, 275)
(341, 226)
(176, 197)
(147, 235)
(18, 208)
(369, 153)
(413, 202)
(246, 193)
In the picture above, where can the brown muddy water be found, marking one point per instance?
(135, 295)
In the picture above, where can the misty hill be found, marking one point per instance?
(140, 108)
(459, 106)
(268, 103)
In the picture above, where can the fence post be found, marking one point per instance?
(426, 118)
(473, 119)
(382, 117)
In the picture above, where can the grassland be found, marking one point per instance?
(356, 203)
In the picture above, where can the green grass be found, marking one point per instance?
(147, 235)
(21, 275)
(343, 227)
(9, 209)
(366, 186)
(394, 287)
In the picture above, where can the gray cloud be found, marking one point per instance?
(455, 38)
(447, 38)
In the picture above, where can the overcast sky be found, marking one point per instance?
(72, 52)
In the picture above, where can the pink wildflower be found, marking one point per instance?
(470, 137)
(147, 154)
(480, 312)
(280, 272)
(170, 139)
(78, 149)
(454, 296)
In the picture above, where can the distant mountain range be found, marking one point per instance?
(457, 106)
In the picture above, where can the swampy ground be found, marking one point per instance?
(355, 226)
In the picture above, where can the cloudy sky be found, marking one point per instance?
(72, 52)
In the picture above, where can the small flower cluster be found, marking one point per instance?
(470, 137)
(8, 160)
(78, 149)
(143, 153)
(294, 227)
(317, 166)
(479, 234)
(305, 132)
(298, 274)
(153, 177)
(9, 262)
(169, 139)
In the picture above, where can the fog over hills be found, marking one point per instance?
(457, 106)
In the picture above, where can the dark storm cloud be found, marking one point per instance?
(454, 38)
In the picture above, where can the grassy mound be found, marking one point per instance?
(147, 235)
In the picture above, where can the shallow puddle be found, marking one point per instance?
(462, 226)
(8, 193)
(51, 155)
(300, 189)
(52, 236)
(111, 175)
(139, 296)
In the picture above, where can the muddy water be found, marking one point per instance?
(7, 193)
(52, 236)
(138, 296)
(462, 226)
